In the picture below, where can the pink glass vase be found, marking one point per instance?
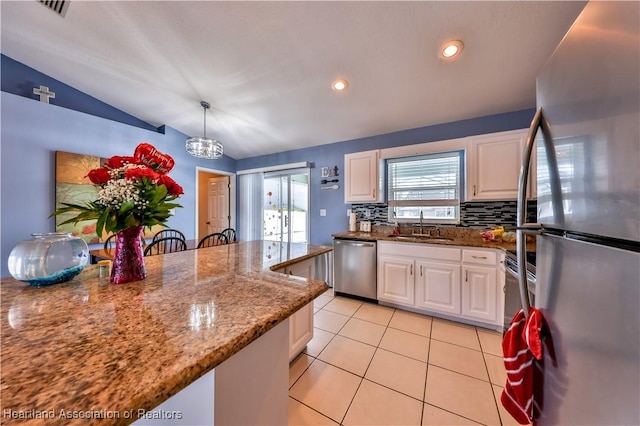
(128, 262)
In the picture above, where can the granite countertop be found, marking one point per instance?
(464, 237)
(88, 345)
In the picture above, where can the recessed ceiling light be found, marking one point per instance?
(451, 48)
(340, 85)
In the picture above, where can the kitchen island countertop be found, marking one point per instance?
(96, 349)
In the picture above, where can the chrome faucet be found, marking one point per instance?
(421, 218)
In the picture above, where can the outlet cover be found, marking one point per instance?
(323, 212)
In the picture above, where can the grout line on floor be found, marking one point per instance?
(455, 344)
(351, 402)
(313, 409)
(353, 340)
(457, 372)
(495, 398)
(454, 413)
(325, 346)
(424, 391)
(303, 371)
(396, 390)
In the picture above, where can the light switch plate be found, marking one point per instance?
(323, 212)
(348, 212)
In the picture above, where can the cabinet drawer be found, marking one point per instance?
(480, 257)
(428, 251)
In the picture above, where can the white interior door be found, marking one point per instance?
(218, 219)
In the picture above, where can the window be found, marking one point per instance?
(430, 183)
(576, 172)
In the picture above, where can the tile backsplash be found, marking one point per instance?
(476, 214)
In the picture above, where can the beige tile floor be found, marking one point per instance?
(374, 365)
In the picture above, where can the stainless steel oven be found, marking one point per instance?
(512, 303)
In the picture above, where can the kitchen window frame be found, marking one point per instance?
(461, 187)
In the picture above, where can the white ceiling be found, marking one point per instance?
(266, 67)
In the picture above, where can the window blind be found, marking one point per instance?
(432, 179)
(430, 183)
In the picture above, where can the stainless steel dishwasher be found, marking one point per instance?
(355, 271)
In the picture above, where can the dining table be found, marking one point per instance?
(95, 255)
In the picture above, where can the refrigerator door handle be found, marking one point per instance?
(524, 171)
(531, 228)
(523, 227)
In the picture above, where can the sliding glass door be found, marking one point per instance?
(286, 206)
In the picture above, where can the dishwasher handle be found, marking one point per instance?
(354, 243)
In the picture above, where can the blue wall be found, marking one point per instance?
(322, 227)
(32, 131)
(20, 80)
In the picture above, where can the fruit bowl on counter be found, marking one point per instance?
(498, 234)
(494, 234)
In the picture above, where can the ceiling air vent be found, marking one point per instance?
(59, 7)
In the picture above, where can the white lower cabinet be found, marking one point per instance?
(457, 282)
(482, 284)
(438, 287)
(419, 275)
(300, 330)
(480, 289)
(395, 279)
(303, 269)
(301, 322)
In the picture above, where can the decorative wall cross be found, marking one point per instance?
(44, 93)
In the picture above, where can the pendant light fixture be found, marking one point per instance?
(204, 147)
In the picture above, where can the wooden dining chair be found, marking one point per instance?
(215, 239)
(230, 233)
(110, 243)
(169, 233)
(165, 245)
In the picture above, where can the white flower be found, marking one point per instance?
(120, 190)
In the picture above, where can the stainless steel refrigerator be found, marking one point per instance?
(586, 136)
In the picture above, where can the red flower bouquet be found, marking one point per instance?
(134, 191)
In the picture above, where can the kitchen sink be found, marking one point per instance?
(420, 237)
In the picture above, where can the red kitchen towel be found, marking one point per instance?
(523, 359)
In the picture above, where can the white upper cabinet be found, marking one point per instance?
(362, 177)
(494, 162)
